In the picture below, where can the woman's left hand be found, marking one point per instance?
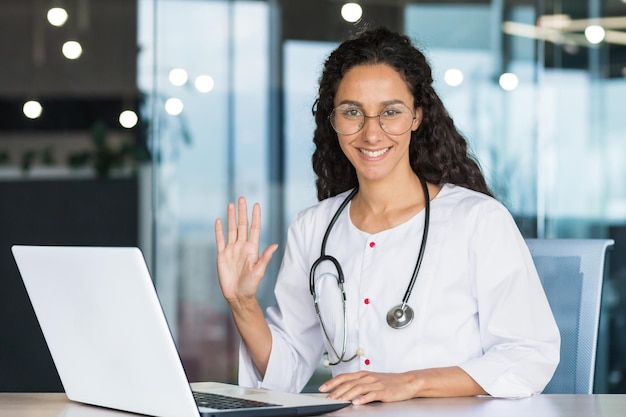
(364, 387)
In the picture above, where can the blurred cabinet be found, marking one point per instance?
(51, 212)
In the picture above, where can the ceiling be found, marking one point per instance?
(32, 65)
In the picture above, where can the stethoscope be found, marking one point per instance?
(399, 316)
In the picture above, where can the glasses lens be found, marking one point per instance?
(347, 119)
(395, 119)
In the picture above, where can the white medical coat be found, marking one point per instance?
(478, 301)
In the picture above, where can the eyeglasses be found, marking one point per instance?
(394, 119)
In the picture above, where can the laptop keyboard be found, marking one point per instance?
(224, 402)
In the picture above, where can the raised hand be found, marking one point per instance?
(239, 266)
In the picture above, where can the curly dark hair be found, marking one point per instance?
(438, 152)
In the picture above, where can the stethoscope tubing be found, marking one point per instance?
(341, 279)
(420, 255)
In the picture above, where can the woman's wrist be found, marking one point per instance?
(243, 305)
(443, 382)
(417, 382)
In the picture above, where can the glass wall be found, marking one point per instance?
(204, 72)
(538, 97)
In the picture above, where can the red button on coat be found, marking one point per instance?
(372, 244)
(367, 361)
(366, 301)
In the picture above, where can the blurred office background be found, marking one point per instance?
(157, 113)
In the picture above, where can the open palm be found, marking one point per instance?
(239, 266)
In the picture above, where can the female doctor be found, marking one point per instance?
(407, 278)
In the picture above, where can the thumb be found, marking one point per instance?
(266, 256)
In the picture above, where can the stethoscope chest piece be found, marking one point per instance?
(400, 316)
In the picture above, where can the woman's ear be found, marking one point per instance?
(418, 119)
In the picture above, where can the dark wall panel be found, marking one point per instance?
(46, 212)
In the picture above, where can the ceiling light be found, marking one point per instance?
(453, 77)
(72, 50)
(178, 76)
(595, 34)
(351, 12)
(128, 119)
(57, 16)
(579, 25)
(174, 106)
(204, 83)
(562, 30)
(508, 81)
(555, 21)
(32, 109)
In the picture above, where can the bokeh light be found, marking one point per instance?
(508, 81)
(72, 50)
(174, 106)
(351, 12)
(32, 109)
(128, 119)
(57, 16)
(453, 77)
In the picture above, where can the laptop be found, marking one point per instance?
(110, 342)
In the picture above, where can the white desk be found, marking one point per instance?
(565, 405)
(549, 405)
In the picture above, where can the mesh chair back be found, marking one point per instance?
(572, 271)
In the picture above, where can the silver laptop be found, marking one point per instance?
(112, 347)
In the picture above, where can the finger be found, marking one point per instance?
(340, 379)
(331, 383)
(255, 228)
(232, 224)
(266, 256)
(219, 235)
(242, 219)
(359, 391)
(366, 398)
(346, 391)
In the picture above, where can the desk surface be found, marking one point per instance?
(566, 405)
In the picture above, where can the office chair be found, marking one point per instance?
(571, 272)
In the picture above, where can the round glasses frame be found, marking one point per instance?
(359, 120)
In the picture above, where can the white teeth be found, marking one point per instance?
(373, 154)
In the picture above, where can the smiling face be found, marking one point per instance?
(375, 154)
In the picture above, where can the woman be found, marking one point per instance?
(414, 218)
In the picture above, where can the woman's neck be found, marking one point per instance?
(379, 206)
